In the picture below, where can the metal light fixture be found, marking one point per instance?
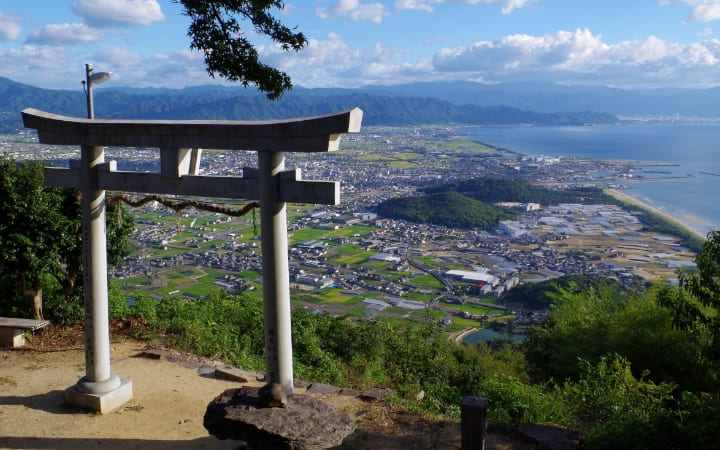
(92, 78)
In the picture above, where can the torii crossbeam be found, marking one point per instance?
(180, 144)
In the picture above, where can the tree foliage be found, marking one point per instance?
(591, 323)
(41, 234)
(493, 190)
(695, 305)
(540, 295)
(448, 209)
(614, 403)
(216, 32)
(33, 229)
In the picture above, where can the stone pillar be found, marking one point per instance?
(473, 422)
(276, 275)
(99, 390)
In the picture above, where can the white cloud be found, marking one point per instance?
(9, 27)
(64, 68)
(702, 10)
(355, 11)
(581, 56)
(419, 5)
(115, 58)
(508, 6)
(43, 66)
(705, 13)
(174, 69)
(119, 12)
(576, 57)
(334, 63)
(707, 31)
(65, 34)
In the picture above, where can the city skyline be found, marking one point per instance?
(351, 43)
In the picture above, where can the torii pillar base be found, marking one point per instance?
(102, 402)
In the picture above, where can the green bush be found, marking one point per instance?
(117, 301)
(512, 402)
(614, 407)
(144, 308)
(219, 326)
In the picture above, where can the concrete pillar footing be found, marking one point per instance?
(98, 387)
(101, 402)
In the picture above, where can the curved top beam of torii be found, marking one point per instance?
(304, 134)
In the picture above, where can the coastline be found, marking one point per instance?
(670, 218)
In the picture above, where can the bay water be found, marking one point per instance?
(683, 148)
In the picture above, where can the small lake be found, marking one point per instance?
(488, 334)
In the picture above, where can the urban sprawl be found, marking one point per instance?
(345, 259)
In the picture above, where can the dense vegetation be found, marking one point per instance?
(448, 209)
(465, 204)
(630, 369)
(539, 296)
(41, 242)
(494, 190)
(608, 363)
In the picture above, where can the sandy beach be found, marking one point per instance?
(670, 218)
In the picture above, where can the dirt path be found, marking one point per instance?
(166, 412)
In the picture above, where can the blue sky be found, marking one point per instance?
(627, 44)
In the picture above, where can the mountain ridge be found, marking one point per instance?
(460, 102)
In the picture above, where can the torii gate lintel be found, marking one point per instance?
(292, 188)
(180, 144)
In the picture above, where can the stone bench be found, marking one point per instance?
(12, 330)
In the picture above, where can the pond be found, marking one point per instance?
(488, 334)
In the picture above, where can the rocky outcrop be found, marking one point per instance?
(303, 423)
(546, 437)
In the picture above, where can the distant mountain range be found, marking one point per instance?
(408, 104)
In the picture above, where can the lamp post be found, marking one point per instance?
(91, 78)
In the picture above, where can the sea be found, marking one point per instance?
(689, 151)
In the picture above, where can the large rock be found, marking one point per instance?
(547, 437)
(304, 422)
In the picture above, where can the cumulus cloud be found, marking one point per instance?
(116, 58)
(419, 5)
(508, 6)
(331, 62)
(64, 67)
(9, 27)
(581, 56)
(376, 12)
(119, 12)
(707, 31)
(173, 69)
(702, 10)
(65, 34)
(48, 65)
(355, 11)
(705, 13)
(576, 57)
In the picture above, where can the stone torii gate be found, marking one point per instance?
(180, 144)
